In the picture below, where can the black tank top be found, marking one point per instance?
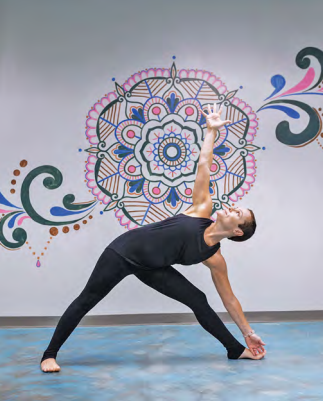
(175, 240)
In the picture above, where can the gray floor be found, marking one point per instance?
(163, 362)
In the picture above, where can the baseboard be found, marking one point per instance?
(161, 319)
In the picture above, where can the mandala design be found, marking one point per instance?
(146, 139)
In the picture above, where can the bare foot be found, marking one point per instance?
(248, 355)
(49, 366)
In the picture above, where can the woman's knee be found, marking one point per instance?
(197, 299)
(87, 300)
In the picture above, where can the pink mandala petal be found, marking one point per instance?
(124, 221)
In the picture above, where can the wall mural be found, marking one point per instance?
(145, 138)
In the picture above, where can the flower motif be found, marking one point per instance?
(168, 150)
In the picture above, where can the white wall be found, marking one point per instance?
(58, 57)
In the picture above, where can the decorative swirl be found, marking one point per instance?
(217, 204)
(242, 142)
(51, 183)
(287, 137)
(221, 98)
(304, 62)
(120, 204)
(102, 146)
(243, 152)
(224, 198)
(68, 203)
(101, 155)
(19, 235)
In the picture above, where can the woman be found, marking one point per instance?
(149, 251)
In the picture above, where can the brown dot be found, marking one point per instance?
(51, 238)
(66, 229)
(100, 203)
(37, 258)
(321, 134)
(251, 185)
(16, 172)
(233, 205)
(42, 253)
(85, 221)
(45, 248)
(48, 242)
(90, 217)
(23, 163)
(26, 242)
(320, 109)
(85, 181)
(29, 248)
(34, 253)
(89, 191)
(76, 227)
(13, 182)
(246, 192)
(53, 231)
(12, 191)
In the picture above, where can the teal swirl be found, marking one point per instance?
(51, 183)
(304, 62)
(19, 234)
(286, 136)
(68, 203)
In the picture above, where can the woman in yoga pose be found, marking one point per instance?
(149, 251)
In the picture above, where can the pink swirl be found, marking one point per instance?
(22, 219)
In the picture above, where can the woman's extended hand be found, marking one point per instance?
(255, 344)
(213, 119)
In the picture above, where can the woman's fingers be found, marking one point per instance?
(209, 108)
(203, 113)
(214, 108)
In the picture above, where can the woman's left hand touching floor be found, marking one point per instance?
(255, 344)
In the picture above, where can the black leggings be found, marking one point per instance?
(110, 269)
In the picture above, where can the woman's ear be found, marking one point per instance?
(237, 232)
